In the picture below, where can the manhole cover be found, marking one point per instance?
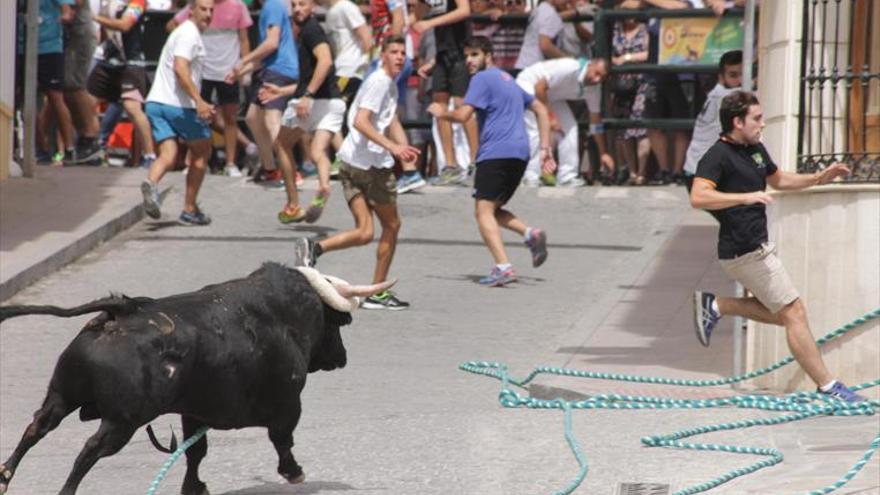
(642, 489)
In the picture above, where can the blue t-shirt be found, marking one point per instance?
(51, 31)
(284, 60)
(500, 104)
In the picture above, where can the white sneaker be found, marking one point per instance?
(573, 182)
(230, 170)
(527, 182)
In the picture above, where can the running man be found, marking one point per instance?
(277, 54)
(226, 41)
(177, 110)
(316, 108)
(366, 173)
(730, 182)
(504, 151)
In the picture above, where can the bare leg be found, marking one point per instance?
(256, 121)
(62, 117)
(287, 139)
(680, 142)
(747, 307)
(444, 129)
(660, 147)
(643, 151)
(141, 122)
(398, 135)
(390, 221)
(230, 131)
(320, 143)
(82, 106)
(361, 234)
(802, 344)
(487, 222)
(509, 221)
(199, 152)
(165, 161)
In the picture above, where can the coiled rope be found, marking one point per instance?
(802, 405)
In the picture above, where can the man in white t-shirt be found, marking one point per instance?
(542, 33)
(707, 127)
(176, 109)
(553, 82)
(351, 42)
(366, 173)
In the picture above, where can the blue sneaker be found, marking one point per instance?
(705, 318)
(194, 218)
(841, 392)
(407, 183)
(152, 202)
(537, 244)
(498, 278)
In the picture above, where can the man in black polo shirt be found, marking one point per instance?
(730, 181)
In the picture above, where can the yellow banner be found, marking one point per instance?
(686, 41)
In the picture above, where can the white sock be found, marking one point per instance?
(528, 234)
(828, 386)
(715, 306)
(503, 266)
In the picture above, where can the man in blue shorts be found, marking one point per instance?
(502, 155)
(176, 110)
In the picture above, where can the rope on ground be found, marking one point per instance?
(802, 405)
(176, 455)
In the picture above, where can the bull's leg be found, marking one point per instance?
(281, 435)
(192, 485)
(109, 439)
(49, 416)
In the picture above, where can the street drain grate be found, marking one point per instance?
(642, 489)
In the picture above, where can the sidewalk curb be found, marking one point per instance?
(59, 259)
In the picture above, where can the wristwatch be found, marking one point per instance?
(309, 94)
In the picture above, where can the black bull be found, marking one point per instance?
(231, 355)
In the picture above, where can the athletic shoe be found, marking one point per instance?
(498, 278)
(308, 169)
(315, 209)
(537, 244)
(384, 300)
(291, 215)
(195, 218)
(334, 168)
(573, 182)
(231, 170)
(705, 318)
(270, 179)
(548, 179)
(152, 202)
(305, 252)
(407, 183)
(147, 162)
(527, 182)
(87, 153)
(451, 176)
(840, 391)
(43, 157)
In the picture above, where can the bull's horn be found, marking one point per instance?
(348, 290)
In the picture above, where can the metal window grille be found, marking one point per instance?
(840, 88)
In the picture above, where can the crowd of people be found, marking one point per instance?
(339, 92)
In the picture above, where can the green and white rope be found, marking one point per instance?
(801, 405)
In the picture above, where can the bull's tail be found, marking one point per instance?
(115, 305)
(170, 449)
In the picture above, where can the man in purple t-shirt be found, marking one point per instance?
(502, 155)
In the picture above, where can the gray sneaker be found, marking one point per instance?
(451, 176)
(305, 252)
(152, 202)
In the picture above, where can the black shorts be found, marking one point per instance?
(497, 180)
(225, 93)
(664, 99)
(450, 74)
(268, 76)
(50, 72)
(110, 83)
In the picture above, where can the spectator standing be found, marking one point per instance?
(79, 47)
(544, 28)
(630, 41)
(277, 56)
(508, 38)
(449, 21)
(707, 127)
(316, 109)
(731, 179)
(351, 42)
(504, 151)
(177, 110)
(553, 83)
(368, 183)
(121, 75)
(226, 42)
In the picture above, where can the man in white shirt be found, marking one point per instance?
(351, 42)
(553, 82)
(707, 127)
(176, 110)
(366, 173)
(542, 33)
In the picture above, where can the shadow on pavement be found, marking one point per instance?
(306, 488)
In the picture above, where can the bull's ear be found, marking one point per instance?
(336, 318)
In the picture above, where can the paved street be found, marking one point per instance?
(401, 418)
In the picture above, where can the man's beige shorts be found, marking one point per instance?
(762, 274)
(378, 185)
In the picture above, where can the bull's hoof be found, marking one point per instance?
(201, 489)
(295, 479)
(5, 478)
